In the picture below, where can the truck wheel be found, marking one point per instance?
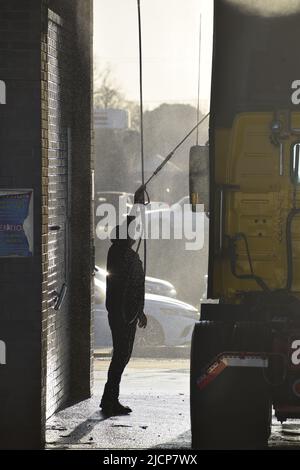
(234, 410)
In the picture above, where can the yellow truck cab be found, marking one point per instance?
(245, 355)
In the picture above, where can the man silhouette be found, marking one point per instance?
(125, 292)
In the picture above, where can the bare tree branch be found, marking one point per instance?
(106, 93)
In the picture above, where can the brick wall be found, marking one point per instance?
(68, 365)
(59, 152)
(44, 190)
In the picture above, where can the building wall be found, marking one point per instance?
(82, 260)
(59, 82)
(68, 364)
(69, 352)
(28, 324)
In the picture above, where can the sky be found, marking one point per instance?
(170, 48)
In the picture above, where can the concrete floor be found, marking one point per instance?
(158, 393)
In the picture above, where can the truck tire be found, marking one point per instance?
(234, 410)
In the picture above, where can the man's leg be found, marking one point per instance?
(123, 340)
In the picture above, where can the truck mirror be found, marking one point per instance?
(199, 176)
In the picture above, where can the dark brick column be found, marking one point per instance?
(26, 323)
(21, 278)
(82, 213)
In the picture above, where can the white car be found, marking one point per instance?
(176, 216)
(170, 322)
(152, 284)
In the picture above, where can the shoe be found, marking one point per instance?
(114, 409)
(121, 409)
(107, 409)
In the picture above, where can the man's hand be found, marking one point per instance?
(142, 321)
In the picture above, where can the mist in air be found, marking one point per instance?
(166, 123)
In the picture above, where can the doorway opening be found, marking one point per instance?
(155, 383)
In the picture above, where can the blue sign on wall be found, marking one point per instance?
(16, 224)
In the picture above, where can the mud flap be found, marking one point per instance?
(230, 404)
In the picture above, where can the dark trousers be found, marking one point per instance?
(123, 339)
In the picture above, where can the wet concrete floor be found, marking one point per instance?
(158, 392)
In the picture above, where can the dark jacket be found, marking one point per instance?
(125, 288)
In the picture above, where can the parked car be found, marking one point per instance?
(152, 284)
(170, 322)
(113, 197)
(178, 213)
(160, 287)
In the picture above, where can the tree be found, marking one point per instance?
(166, 125)
(106, 93)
